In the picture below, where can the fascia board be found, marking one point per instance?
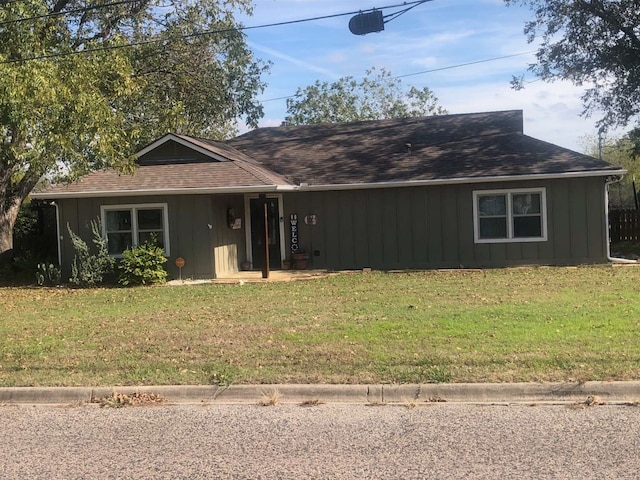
(164, 191)
(171, 137)
(459, 181)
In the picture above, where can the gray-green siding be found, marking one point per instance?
(432, 227)
(386, 228)
(205, 250)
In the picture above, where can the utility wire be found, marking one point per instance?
(68, 12)
(466, 64)
(106, 5)
(393, 16)
(194, 35)
(428, 71)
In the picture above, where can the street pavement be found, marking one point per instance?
(424, 440)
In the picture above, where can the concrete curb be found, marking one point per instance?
(608, 392)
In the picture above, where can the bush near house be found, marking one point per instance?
(143, 265)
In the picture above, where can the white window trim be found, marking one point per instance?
(134, 207)
(509, 193)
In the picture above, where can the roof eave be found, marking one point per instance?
(164, 191)
(323, 187)
(462, 180)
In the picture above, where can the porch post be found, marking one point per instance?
(265, 266)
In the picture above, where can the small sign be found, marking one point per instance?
(237, 224)
(311, 219)
(180, 262)
(293, 220)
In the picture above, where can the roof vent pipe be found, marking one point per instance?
(408, 145)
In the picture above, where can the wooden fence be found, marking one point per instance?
(624, 225)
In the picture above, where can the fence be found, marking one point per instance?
(624, 225)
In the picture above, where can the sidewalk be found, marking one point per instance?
(555, 393)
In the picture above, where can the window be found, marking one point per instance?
(510, 215)
(127, 226)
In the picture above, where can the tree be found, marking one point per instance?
(378, 95)
(622, 152)
(82, 86)
(594, 43)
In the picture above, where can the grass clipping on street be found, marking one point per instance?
(500, 325)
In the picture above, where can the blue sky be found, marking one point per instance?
(434, 35)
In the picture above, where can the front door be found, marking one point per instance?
(258, 237)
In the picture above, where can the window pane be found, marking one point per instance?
(158, 238)
(119, 242)
(118, 220)
(527, 226)
(489, 205)
(526, 203)
(150, 219)
(493, 228)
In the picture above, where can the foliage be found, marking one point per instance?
(622, 152)
(143, 265)
(82, 86)
(377, 96)
(595, 43)
(48, 274)
(89, 269)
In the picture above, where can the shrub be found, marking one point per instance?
(90, 269)
(48, 274)
(143, 265)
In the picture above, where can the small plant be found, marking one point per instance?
(219, 374)
(119, 400)
(438, 375)
(143, 265)
(270, 399)
(90, 269)
(48, 274)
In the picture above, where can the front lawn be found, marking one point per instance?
(503, 325)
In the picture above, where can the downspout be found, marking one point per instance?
(58, 237)
(609, 181)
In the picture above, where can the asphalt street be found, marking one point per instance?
(326, 441)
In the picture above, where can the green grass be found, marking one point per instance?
(504, 325)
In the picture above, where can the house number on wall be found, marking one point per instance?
(294, 233)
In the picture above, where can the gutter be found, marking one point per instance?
(460, 181)
(165, 191)
(609, 181)
(305, 187)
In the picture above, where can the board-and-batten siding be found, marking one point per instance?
(208, 252)
(432, 227)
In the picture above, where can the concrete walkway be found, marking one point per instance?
(594, 392)
(253, 276)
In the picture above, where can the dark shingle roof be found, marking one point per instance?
(443, 147)
(438, 148)
(236, 170)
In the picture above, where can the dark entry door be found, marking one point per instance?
(256, 207)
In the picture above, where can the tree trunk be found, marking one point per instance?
(8, 216)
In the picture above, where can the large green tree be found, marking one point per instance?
(619, 151)
(83, 84)
(378, 95)
(595, 43)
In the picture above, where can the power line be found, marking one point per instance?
(193, 35)
(106, 5)
(429, 71)
(465, 64)
(67, 12)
